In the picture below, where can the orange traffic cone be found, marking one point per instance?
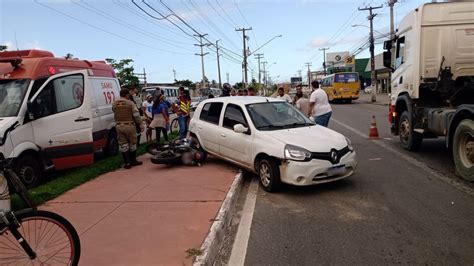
(373, 133)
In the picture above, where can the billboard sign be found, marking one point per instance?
(337, 57)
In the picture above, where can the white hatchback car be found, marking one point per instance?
(272, 139)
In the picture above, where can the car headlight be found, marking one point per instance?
(296, 153)
(349, 144)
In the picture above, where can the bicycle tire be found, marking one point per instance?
(49, 222)
(174, 126)
(20, 188)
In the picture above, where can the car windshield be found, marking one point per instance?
(276, 115)
(346, 77)
(12, 93)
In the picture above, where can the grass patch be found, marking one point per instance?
(193, 252)
(73, 178)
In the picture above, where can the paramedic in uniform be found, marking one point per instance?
(126, 117)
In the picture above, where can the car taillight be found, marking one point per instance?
(391, 114)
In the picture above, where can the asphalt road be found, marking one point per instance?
(391, 211)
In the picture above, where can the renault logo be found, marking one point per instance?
(334, 158)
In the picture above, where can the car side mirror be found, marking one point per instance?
(239, 128)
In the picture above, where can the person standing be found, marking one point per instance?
(184, 105)
(135, 99)
(319, 106)
(126, 116)
(283, 96)
(226, 88)
(147, 111)
(301, 102)
(251, 91)
(160, 120)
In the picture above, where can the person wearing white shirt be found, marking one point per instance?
(283, 96)
(319, 105)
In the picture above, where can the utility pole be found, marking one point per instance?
(308, 64)
(174, 74)
(372, 46)
(299, 74)
(218, 64)
(144, 77)
(265, 77)
(202, 54)
(244, 65)
(258, 57)
(324, 62)
(227, 74)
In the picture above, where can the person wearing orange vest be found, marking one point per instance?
(183, 110)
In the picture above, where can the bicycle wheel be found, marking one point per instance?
(20, 188)
(174, 126)
(52, 238)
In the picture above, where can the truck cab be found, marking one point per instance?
(432, 62)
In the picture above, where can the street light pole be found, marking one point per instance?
(372, 46)
(258, 57)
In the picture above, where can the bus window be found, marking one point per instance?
(346, 77)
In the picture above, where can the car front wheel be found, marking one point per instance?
(269, 175)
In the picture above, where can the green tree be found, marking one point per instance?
(185, 83)
(125, 72)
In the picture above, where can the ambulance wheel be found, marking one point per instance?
(112, 146)
(28, 170)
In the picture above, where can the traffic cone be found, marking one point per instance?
(373, 133)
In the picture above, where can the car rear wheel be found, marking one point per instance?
(269, 175)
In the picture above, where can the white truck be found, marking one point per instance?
(54, 112)
(433, 79)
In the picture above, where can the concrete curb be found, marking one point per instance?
(211, 245)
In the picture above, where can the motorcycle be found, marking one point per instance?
(185, 151)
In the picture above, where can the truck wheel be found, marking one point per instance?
(463, 149)
(112, 147)
(269, 175)
(409, 139)
(28, 170)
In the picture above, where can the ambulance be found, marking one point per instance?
(55, 113)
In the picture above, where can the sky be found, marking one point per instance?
(118, 29)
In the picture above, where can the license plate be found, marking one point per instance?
(336, 170)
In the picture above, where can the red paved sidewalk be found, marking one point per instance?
(148, 215)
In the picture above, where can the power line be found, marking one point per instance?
(210, 23)
(106, 31)
(222, 17)
(94, 10)
(245, 20)
(138, 14)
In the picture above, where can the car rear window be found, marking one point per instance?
(211, 112)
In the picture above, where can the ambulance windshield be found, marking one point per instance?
(12, 92)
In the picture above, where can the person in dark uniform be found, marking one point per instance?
(126, 117)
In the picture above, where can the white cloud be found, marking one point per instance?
(318, 42)
(23, 46)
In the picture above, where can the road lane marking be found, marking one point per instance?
(239, 249)
(458, 185)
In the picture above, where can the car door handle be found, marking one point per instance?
(223, 135)
(82, 119)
